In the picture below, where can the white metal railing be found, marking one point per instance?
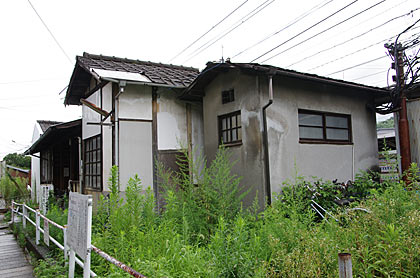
(25, 218)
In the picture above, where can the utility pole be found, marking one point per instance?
(403, 130)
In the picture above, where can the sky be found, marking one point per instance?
(342, 39)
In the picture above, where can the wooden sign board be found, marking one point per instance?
(78, 216)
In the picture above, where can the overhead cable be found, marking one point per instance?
(325, 30)
(293, 22)
(244, 19)
(355, 37)
(52, 35)
(358, 65)
(208, 31)
(304, 31)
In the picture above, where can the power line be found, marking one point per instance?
(49, 31)
(347, 55)
(293, 22)
(369, 75)
(29, 81)
(325, 30)
(355, 37)
(244, 19)
(358, 65)
(208, 31)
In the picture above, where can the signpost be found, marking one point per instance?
(45, 193)
(79, 231)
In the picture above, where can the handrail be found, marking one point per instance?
(64, 247)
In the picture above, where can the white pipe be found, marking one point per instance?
(79, 140)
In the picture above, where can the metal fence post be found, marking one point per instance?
(66, 248)
(25, 213)
(37, 227)
(13, 212)
(344, 265)
(86, 268)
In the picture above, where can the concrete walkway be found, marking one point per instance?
(13, 262)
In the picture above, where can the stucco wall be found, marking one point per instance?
(326, 161)
(248, 156)
(171, 121)
(413, 115)
(286, 154)
(136, 103)
(90, 116)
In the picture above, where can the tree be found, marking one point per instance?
(389, 123)
(18, 160)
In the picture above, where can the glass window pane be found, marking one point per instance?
(228, 120)
(238, 119)
(239, 134)
(223, 124)
(224, 136)
(336, 121)
(310, 132)
(234, 136)
(337, 134)
(93, 144)
(310, 119)
(233, 121)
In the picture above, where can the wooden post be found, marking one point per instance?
(25, 214)
(344, 265)
(37, 238)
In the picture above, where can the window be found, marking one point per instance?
(93, 163)
(46, 167)
(323, 127)
(228, 96)
(230, 131)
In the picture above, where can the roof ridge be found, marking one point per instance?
(118, 59)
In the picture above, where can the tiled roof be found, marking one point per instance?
(46, 124)
(177, 76)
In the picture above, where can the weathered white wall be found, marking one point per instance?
(106, 136)
(136, 102)
(90, 116)
(136, 152)
(286, 154)
(327, 161)
(171, 121)
(413, 115)
(248, 156)
(35, 165)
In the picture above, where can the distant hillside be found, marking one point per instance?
(386, 124)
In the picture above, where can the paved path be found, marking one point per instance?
(13, 262)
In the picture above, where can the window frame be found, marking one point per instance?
(324, 127)
(86, 163)
(228, 96)
(237, 127)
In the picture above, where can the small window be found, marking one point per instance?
(230, 128)
(228, 96)
(323, 127)
(93, 163)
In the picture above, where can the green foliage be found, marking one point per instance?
(13, 188)
(51, 267)
(389, 123)
(18, 160)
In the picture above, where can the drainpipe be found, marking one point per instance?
(265, 140)
(79, 140)
(122, 85)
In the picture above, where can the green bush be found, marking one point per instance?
(13, 188)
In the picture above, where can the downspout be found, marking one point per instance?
(265, 140)
(79, 140)
(121, 87)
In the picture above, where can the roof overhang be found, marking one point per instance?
(55, 134)
(196, 90)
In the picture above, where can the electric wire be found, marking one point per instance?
(305, 30)
(356, 37)
(208, 31)
(244, 19)
(350, 54)
(358, 65)
(49, 31)
(325, 30)
(290, 24)
(369, 75)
